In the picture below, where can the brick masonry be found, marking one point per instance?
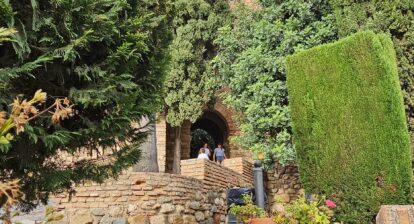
(152, 198)
(230, 174)
(240, 165)
(161, 138)
(165, 136)
(196, 196)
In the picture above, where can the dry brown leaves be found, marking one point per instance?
(11, 191)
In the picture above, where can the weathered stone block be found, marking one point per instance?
(213, 209)
(277, 207)
(175, 219)
(132, 208)
(199, 216)
(179, 208)
(139, 219)
(98, 211)
(106, 220)
(164, 199)
(282, 198)
(395, 214)
(115, 211)
(189, 219)
(81, 216)
(120, 221)
(198, 196)
(159, 219)
(194, 205)
(210, 221)
(167, 208)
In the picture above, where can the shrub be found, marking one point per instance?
(315, 211)
(394, 17)
(349, 124)
(247, 211)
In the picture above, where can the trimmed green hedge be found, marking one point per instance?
(349, 124)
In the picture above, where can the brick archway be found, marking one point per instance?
(165, 135)
(214, 126)
(229, 127)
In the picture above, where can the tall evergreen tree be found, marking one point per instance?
(107, 56)
(189, 85)
(394, 17)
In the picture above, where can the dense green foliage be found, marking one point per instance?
(349, 124)
(107, 56)
(394, 17)
(189, 85)
(250, 61)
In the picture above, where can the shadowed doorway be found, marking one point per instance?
(209, 128)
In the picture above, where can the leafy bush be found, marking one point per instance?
(315, 211)
(349, 124)
(250, 60)
(247, 211)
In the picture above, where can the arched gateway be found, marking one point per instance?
(217, 122)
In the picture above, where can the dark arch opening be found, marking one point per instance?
(215, 129)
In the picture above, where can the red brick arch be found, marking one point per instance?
(225, 114)
(166, 158)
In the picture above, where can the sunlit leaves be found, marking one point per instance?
(251, 62)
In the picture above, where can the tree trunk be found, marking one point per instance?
(148, 161)
(177, 150)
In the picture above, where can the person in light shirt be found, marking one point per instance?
(202, 154)
(206, 149)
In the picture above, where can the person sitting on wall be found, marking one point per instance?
(202, 154)
(219, 154)
(207, 150)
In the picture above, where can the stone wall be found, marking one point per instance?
(395, 214)
(282, 186)
(196, 196)
(153, 198)
(215, 175)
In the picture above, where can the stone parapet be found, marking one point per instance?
(396, 214)
(240, 165)
(215, 175)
